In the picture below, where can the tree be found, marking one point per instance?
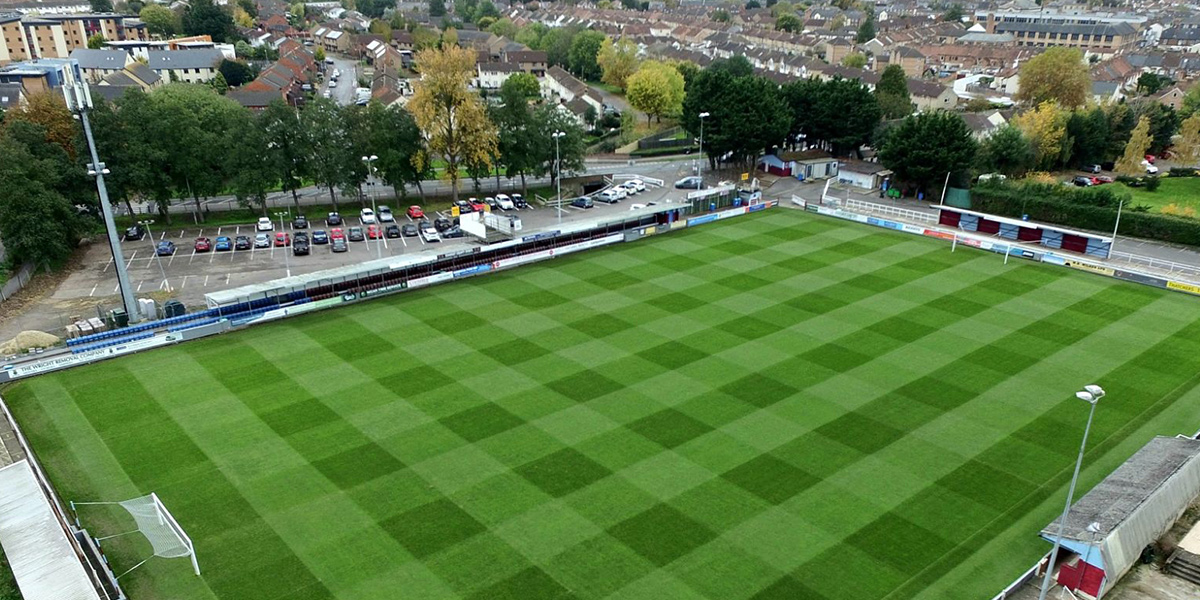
(102, 6)
(1191, 101)
(866, 29)
(720, 16)
(688, 70)
(49, 110)
(953, 14)
(160, 20)
(1187, 149)
(855, 60)
(1088, 132)
(531, 35)
(297, 12)
(504, 28)
(521, 85)
(219, 85)
(840, 114)
(96, 41)
(746, 115)
(251, 175)
(486, 9)
(618, 60)
(319, 54)
(1139, 142)
(437, 8)
(284, 136)
(656, 89)
(328, 153)
(393, 136)
(925, 147)
(249, 6)
(1006, 151)
(451, 117)
(235, 73)
(203, 17)
(1046, 129)
(585, 48)
(1164, 122)
(789, 23)
(557, 44)
(892, 93)
(37, 223)
(753, 4)
(241, 18)
(1058, 74)
(1150, 83)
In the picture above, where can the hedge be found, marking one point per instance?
(1092, 208)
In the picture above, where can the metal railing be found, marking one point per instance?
(891, 211)
(1022, 580)
(1156, 263)
(18, 281)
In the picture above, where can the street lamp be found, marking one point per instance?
(287, 263)
(147, 223)
(558, 172)
(1092, 395)
(700, 169)
(370, 160)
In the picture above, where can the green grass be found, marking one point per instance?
(1181, 191)
(8, 586)
(775, 406)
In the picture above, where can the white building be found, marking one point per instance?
(189, 66)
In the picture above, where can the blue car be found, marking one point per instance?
(165, 248)
(224, 244)
(320, 237)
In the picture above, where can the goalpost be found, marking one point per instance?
(155, 523)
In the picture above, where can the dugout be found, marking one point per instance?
(1029, 232)
(391, 274)
(1108, 529)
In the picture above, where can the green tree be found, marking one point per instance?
(219, 85)
(753, 4)
(1046, 129)
(102, 6)
(236, 73)
(531, 35)
(486, 9)
(297, 12)
(789, 23)
(504, 28)
(1058, 74)
(329, 154)
(925, 147)
(1164, 122)
(1006, 151)
(250, 163)
(737, 66)
(746, 115)
(557, 44)
(1187, 150)
(160, 20)
(892, 93)
(521, 85)
(855, 60)
(250, 7)
(203, 17)
(841, 114)
(437, 8)
(866, 29)
(1191, 101)
(319, 54)
(393, 136)
(585, 48)
(720, 16)
(96, 41)
(656, 89)
(618, 60)
(284, 136)
(1150, 83)
(37, 223)
(953, 14)
(1088, 132)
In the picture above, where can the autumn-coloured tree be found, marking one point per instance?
(656, 89)
(1187, 149)
(1058, 74)
(1045, 127)
(1130, 162)
(50, 111)
(451, 117)
(618, 60)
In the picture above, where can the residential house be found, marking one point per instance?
(37, 76)
(984, 124)
(529, 61)
(1106, 91)
(335, 41)
(189, 66)
(909, 59)
(255, 100)
(562, 87)
(98, 64)
(491, 75)
(836, 50)
(930, 95)
(402, 40)
(1173, 96)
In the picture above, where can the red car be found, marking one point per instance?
(203, 244)
(282, 239)
(476, 205)
(1101, 180)
(374, 232)
(1150, 158)
(337, 234)
(416, 212)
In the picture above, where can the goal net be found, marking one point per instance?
(156, 524)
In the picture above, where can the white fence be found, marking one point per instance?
(1156, 263)
(907, 214)
(1022, 580)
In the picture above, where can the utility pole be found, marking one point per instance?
(558, 172)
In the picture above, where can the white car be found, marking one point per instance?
(430, 235)
(385, 215)
(264, 224)
(505, 202)
(611, 196)
(634, 186)
(367, 216)
(1150, 169)
(619, 191)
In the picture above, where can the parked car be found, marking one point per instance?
(519, 201)
(282, 239)
(224, 244)
(453, 232)
(333, 219)
(583, 202)
(300, 222)
(442, 223)
(464, 206)
(409, 230)
(392, 231)
(505, 202)
(1150, 158)
(262, 240)
(135, 233)
(356, 234)
(476, 205)
(634, 186)
(690, 183)
(320, 237)
(429, 234)
(300, 247)
(340, 245)
(374, 232)
(1082, 181)
(491, 203)
(264, 224)
(203, 244)
(1091, 168)
(1102, 179)
(367, 216)
(385, 215)
(301, 236)
(1150, 168)
(610, 196)
(165, 248)
(241, 242)
(416, 212)
(337, 234)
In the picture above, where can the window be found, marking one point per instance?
(1108, 38)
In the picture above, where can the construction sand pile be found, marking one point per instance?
(26, 340)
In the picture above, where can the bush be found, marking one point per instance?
(1152, 183)
(1184, 172)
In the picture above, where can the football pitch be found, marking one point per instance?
(778, 406)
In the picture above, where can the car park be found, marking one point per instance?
(385, 215)
(429, 234)
(300, 222)
(409, 230)
(416, 212)
(610, 196)
(367, 216)
(203, 244)
(333, 219)
(337, 234)
(356, 234)
(442, 223)
(262, 240)
(689, 183)
(320, 237)
(583, 202)
(392, 231)
(165, 248)
(519, 201)
(300, 246)
(505, 202)
(374, 232)
(282, 239)
(241, 242)
(134, 233)
(340, 245)
(224, 244)
(264, 224)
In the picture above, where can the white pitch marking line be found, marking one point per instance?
(131, 257)
(206, 281)
(184, 284)
(93, 292)
(107, 265)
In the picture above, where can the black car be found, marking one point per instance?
(519, 201)
(301, 237)
(690, 183)
(583, 202)
(356, 234)
(135, 233)
(464, 207)
(300, 247)
(300, 222)
(1082, 181)
(340, 245)
(241, 242)
(453, 232)
(333, 219)
(441, 224)
(320, 237)
(392, 231)
(409, 230)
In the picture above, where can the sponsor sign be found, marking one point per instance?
(522, 259)
(756, 207)
(937, 233)
(732, 212)
(702, 219)
(367, 294)
(430, 280)
(884, 223)
(1184, 287)
(539, 236)
(1157, 282)
(1053, 259)
(812, 208)
(906, 228)
(70, 360)
(1099, 270)
(467, 272)
(651, 230)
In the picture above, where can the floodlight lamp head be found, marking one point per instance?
(1095, 390)
(1086, 397)
(703, 115)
